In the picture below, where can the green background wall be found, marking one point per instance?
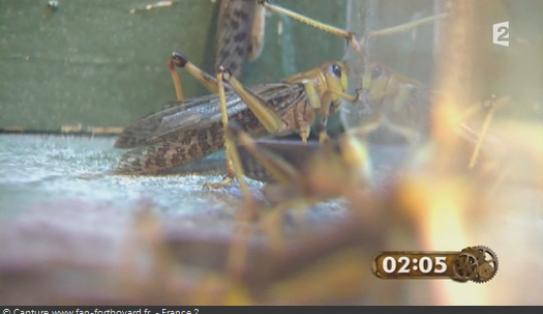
(93, 63)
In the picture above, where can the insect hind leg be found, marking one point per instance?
(350, 37)
(233, 163)
(178, 60)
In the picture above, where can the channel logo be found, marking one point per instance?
(500, 34)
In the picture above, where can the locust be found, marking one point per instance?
(193, 128)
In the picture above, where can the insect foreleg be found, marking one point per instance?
(321, 111)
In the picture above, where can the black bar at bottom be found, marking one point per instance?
(261, 309)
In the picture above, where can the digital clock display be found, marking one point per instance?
(413, 264)
(478, 264)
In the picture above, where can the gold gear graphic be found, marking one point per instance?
(488, 263)
(465, 266)
(485, 272)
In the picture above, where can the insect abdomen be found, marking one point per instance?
(173, 150)
(177, 149)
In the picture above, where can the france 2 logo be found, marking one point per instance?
(500, 34)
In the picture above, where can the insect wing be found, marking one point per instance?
(201, 112)
(193, 113)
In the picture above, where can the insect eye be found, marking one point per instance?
(336, 69)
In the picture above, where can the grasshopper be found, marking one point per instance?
(193, 129)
